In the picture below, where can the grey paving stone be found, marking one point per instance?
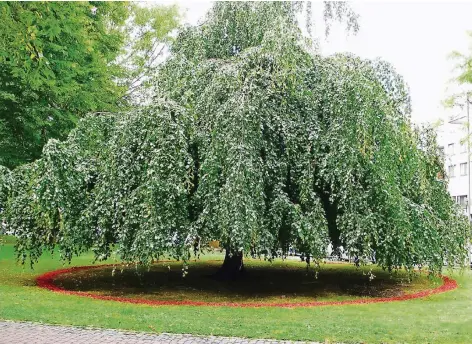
(32, 333)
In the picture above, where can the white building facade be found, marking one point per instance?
(452, 140)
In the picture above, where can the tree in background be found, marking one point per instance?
(251, 140)
(463, 72)
(62, 60)
(462, 92)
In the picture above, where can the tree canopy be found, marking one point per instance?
(253, 140)
(60, 60)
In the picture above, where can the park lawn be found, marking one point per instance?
(443, 318)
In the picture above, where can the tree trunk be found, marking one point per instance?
(232, 268)
(331, 212)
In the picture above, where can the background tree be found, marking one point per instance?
(254, 141)
(462, 72)
(59, 61)
(461, 95)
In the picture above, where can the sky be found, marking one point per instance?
(415, 37)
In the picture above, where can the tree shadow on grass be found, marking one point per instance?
(264, 282)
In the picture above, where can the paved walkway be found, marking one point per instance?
(31, 333)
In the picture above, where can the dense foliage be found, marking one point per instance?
(254, 141)
(61, 60)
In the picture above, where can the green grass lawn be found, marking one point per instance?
(443, 318)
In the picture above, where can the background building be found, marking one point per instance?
(452, 140)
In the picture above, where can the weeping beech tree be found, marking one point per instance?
(256, 141)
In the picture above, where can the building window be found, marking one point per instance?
(451, 169)
(450, 149)
(464, 148)
(463, 168)
(441, 152)
(462, 201)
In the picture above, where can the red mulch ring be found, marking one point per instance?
(46, 281)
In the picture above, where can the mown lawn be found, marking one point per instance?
(443, 318)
